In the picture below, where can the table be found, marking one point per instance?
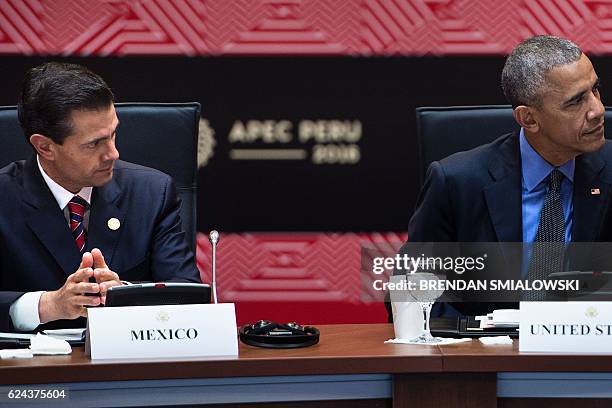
(351, 366)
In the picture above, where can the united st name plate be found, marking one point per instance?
(566, 327)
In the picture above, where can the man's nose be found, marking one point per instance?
(112, 153)
(597, 110)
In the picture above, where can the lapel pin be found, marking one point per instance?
(113, 224)
(595, 191)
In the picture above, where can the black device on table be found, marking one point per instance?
(150, 294)
(592, 286)
(267, 334)
(467, 327)
(13, 343)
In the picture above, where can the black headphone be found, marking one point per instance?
(269, 334)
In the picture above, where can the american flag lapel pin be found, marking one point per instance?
(595, 191)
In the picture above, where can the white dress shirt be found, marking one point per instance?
(24, 311)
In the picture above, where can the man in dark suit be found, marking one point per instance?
(74, 219)
(503, 191)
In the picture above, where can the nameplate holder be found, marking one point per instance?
(566, 327)
(170, 331)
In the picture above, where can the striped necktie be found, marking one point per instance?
(77, 207)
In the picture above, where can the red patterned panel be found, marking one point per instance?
(426, 27)
(339, 21)
(571, 19)
(499, 23)
(124, 27)
(292, 27)
(300, 267)
(21, 28)
(283, 30)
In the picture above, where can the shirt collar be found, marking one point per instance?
(61, 195)
(536, 169)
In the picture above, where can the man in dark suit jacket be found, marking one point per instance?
(75, 220)
(475, 196)
(496, 192)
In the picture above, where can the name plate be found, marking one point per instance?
(162, 331)
(566, 327)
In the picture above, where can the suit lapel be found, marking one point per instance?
(104, 207)
(588, 205)
(503, 195)
(46, 219)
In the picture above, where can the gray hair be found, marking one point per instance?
(524, 75)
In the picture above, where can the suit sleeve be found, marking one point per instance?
(172, 260)
(7, 297)
(6, 300)
(432, 220)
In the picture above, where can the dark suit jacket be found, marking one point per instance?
(37, 250)
(475, 196)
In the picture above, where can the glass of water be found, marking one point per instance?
(425, 293)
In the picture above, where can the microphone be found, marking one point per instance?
(213, 237)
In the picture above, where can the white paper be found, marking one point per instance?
(500, 318)
(506, 318)
(15, 353)
(65, 334)
(444, 341)
(495, 340)
(24, 336)
(45, 345)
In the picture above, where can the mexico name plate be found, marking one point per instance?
(198, 330)
(566, 327)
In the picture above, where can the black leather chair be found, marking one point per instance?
(162, 136)
(442, 131)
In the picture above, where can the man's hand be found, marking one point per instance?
(104, 276)
(69, 301)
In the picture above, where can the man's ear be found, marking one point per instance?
(525, 117)
(43, 145)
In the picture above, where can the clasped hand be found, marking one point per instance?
(70, 301)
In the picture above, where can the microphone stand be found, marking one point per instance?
(213, 237)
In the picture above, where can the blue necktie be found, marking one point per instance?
(548, 247)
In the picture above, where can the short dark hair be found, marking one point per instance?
(52, 91)
(524, 75)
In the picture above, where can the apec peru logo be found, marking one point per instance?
(321, 142)
(206, 142)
